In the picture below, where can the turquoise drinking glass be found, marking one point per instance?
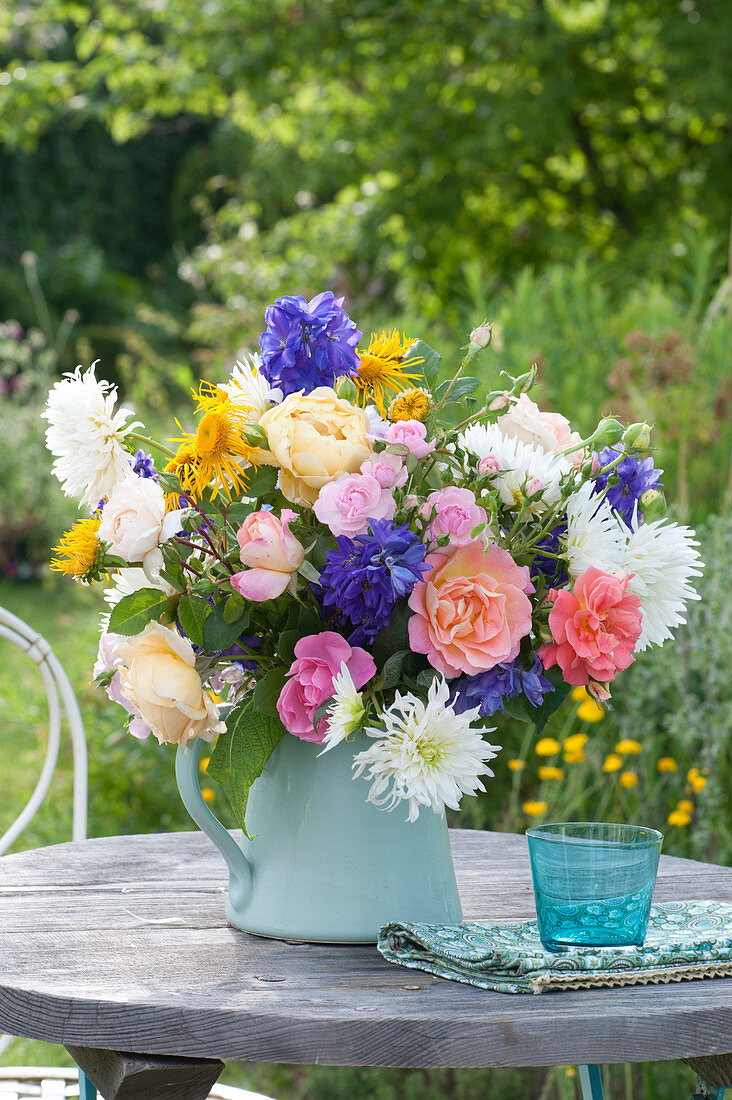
(593, 882)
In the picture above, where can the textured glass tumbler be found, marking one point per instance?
(593, 882)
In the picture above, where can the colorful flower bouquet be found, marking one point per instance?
(348, 548)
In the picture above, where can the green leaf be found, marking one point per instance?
(262, 482)
(286, 643)
(309, 572)
(192, 614)
(393, 637)
(134, 612)
(392, 671)
(322, 712)
(432, 360)
(552, 701)
(267, 691)
(234, 608)
(425, 678)
(458, 389)
(241, 754)
(217, 633)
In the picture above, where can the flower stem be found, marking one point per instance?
(150, 443)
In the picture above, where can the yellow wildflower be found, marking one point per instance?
(547, 771)
(628, 747)
(575, 742)
(628, 780)
(380, 372)
(547, 746)
(77, 549)
(579, 694)
(534, 809)
(208, 794)
(214, 455)
(516, 765)
(590, 711)
(613, 762)
(413, 404)
(203, 762)
(686, 806)
(574, 756)
(697, 782)
(666, 764)
(678, 817)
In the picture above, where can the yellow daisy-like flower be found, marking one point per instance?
(207, 794)
(686, 806)
(612, 762)
(697, 783)
(534, 809)
(212, 458)
(666, 764)
(575, 756)
(413, 404)
(380, 373)
(579, 694)
(516, 765)
(590, 711)
(77, 549)
(575, 742)
(547, 771)
(547, 746)
(678, 817)
(628, 780)
(628, 747)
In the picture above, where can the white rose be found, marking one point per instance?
(552, 431)
(159, 678)
(134, 522)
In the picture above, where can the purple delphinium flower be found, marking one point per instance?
(365, 577)
(489, 690)
(307, 344)
(143, 465)
(553, 571)
(635, 475)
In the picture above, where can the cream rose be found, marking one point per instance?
(158, 676)
(134, 522)
(552, 431)
(315, 438)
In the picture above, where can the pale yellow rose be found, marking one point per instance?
(315, 438)
(159, 678)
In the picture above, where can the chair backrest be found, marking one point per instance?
(61, 698)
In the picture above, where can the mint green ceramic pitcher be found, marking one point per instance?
(325, 865)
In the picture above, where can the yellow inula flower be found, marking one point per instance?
(413, 404)
(590, 711)
(547, 771)
(686, 806)
(516, 765)
(380, 372)
(628, 780)
(575, 742)
(533, 809)
(579, 694)
(666, 764)
(678, 817)
(547, 746)
(628, 747)
(612, 763)
(77, 549)
(213, 457)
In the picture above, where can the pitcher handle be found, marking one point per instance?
(186, 774)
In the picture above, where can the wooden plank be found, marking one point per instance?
(122, 942)
(122, 1076)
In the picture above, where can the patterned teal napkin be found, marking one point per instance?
(686, 939)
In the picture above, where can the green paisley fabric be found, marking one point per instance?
(685, 939)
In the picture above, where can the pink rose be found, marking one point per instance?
(595, 628)
(471, 611)
(318, 660)
(272, 553)
(388, 469)
(552, 431)
(134, 522)
(411, 434)
(347, 504)
(456, 514)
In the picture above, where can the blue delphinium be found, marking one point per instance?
(143, 465)
(308, 344)
(635, 475)
(365, 577)
(549, 568)
(489, 690)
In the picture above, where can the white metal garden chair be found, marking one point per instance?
(48, 1083)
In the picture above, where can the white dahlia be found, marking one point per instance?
(347, 709)
(662, 559)
(85, 436)
(248, 389)
(522, 468)
(595, 535)
(426, 754)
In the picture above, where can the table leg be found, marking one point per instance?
(122, 1076)
(86, 1088)
(714, 1076)
(590, 1082)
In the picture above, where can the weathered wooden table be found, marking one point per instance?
(120, 944)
